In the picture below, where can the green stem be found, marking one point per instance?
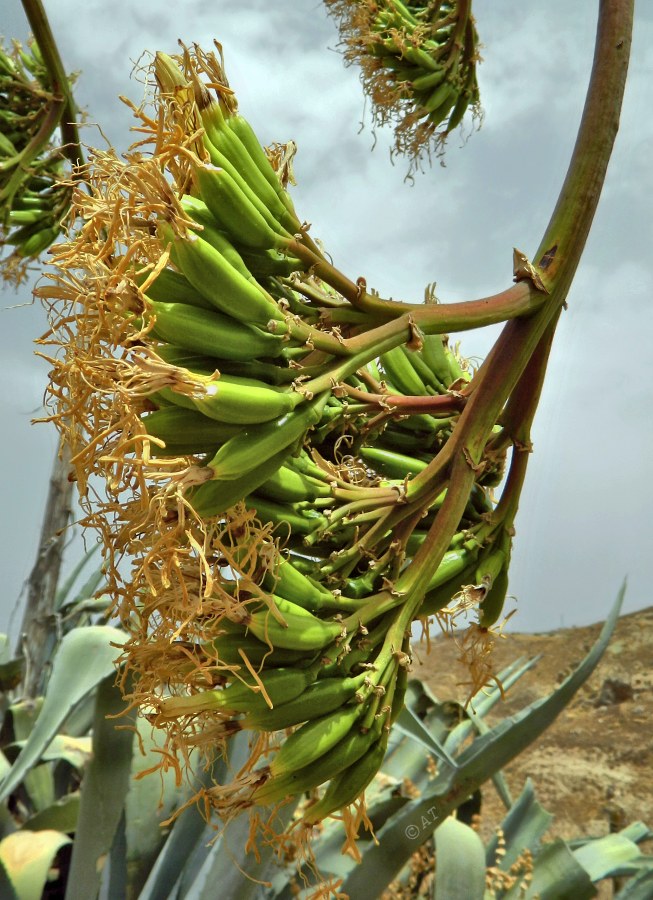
(51, 118)
(517, 417)
(521, 352)
(417, 576)
(506, 509)
(42, 32)
(367, 346)
(412, 584)
(566, 234)
(437, 318)
(324, 270)
(464, 12)
(568, 228)
(517, 420)
(432, 318)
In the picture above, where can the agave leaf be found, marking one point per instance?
(522, 828)
(410, 827)
(419, 697)
(405, 760)
(11, 672)
(182, 854)
(238, 874)
(61, 816)
(79, 614)
(441, 720)
(180, 861)
(75, 750)
(487, 700)
(192, 881)
(104, 789)
(611, 856)
(38, 782)
(5, 649)
(643, 863)
(482, 704)
(88, 590)
(381, 809)
(150, 801)
(638, 888)
(637, 831)
(27, 858)
(85, 656)
(114, 875)
(7, 891)
(459, 862)
(498, 779)
(7, 825)
(80, 720)
(556, 874)
(405, 757)
(22, 715)
(242, 880)
(64, 593)
(408, 723)
(5, 765)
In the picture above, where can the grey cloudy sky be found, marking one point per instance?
(584, 518)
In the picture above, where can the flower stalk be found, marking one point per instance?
(60, 83)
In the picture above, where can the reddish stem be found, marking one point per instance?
(400, 405)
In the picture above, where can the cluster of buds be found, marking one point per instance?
(286, 470)
(418, 66)
(34, 194)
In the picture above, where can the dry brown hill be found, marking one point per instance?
(594, 767)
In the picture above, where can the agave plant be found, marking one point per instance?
(84, 819)
(69, 776)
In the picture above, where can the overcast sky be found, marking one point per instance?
(584, 521)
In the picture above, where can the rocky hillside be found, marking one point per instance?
(594, 767)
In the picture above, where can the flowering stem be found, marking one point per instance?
(518, 359)
(407, 405)
(42, 32)
(51, 118)
(433, 318)
(565, 236)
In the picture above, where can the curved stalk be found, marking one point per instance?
(518, 344)
(401, 319)
(400, 405)
(564, 239)
(42, 32)
(51, 118)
